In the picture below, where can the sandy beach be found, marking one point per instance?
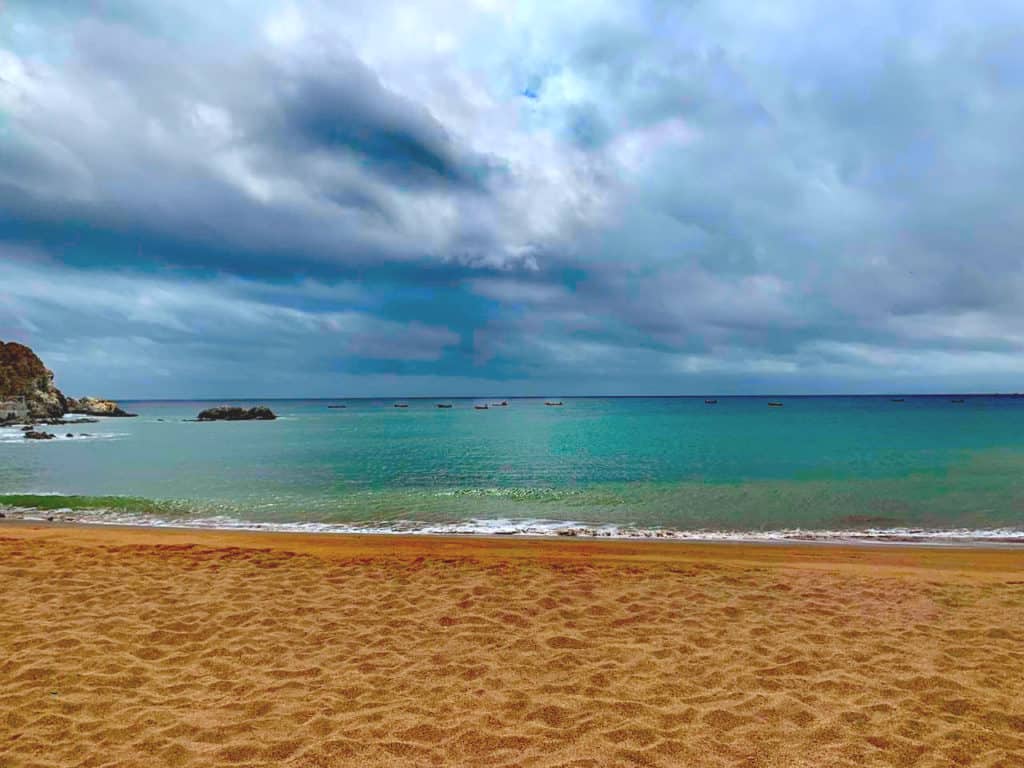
(143, 647)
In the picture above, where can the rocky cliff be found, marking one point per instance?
(23, 375)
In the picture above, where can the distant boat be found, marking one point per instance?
(480, 407)
(444, 405)
(401, 405)
(499, 405)
(957, 400)
(774, 405)
(710, 402)
(897, 400)
(335, 406)
(550, 402)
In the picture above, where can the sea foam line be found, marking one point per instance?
(531, 528)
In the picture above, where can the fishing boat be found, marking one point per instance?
(710, 402)
(551, 402)
(444, 405)
(957, 400)
(480, 407)
(774, 405)
(335, 406)
(401, 405)
(897, 400)
(502, 404)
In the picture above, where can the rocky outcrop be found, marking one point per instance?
(94, 406)
(234, 413)
(33, 435)
(28, 394)
(25, 380)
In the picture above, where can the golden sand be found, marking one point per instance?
(123, 647)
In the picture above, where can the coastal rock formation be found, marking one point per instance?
(235, 413)
(27, 390)
(94, 406)
(33, 435)
(28, 394)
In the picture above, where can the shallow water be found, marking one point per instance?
(621, 466)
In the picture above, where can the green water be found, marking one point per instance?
(817, 464)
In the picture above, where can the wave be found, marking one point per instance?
(17, 436)
(133, 511)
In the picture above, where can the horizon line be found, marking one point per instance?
(568, 397)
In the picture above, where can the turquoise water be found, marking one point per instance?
(617, 465)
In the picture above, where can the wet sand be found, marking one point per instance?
(150, 647)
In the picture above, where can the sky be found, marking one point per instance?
(251, 198)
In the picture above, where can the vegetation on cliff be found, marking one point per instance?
(23, 375)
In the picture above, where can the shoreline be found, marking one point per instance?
(966, 555)
(533, 530)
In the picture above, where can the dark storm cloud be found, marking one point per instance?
(141, 149)
(345, 108)
(620, 197)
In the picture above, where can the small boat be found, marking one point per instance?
(957, 400)
(502, 404)
(774, 405)
(480, 407)
(897, 400)
(551, 402)
(335, 406)
(444, 405)
(710, 402)
(401, 405)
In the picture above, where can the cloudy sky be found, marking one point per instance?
(325, 198)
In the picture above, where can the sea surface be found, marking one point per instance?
(816, 467)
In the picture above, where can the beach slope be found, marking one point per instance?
(143, 647)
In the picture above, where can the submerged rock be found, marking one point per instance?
(94, 406)
(235, 413)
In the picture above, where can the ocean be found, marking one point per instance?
(817, 467)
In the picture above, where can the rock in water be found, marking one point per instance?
(26, 385)
(234, 413)
(94, 406)
(38, 436)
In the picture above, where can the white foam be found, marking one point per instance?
(539, 528)
(17, 436)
